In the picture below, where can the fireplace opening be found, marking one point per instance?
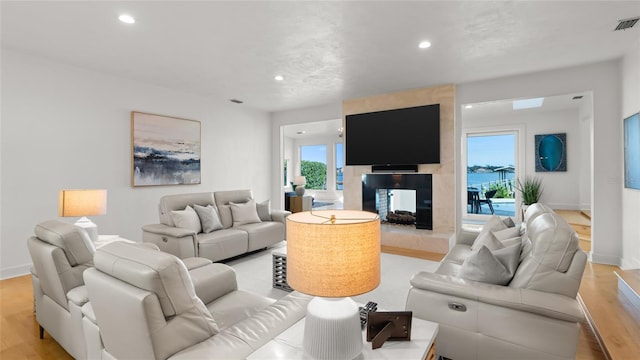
(399, 198)
(396, 206)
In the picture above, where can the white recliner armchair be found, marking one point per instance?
(148, 306)
(61, 252)
(535, 316)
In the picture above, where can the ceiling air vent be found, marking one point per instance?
(627, 23)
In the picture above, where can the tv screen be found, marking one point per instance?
(394, 137)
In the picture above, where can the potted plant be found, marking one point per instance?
(530, 189)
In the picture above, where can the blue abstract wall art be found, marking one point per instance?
(551, 152)
(165, 150)
(632, 152)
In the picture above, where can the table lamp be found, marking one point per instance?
(333, 254)
(83, 203)
(299, 182)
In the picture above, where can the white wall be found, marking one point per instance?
(65, 127)
(297, 116)
(631, 198)
(560, 190)
(603, 79)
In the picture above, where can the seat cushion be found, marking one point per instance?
(223, 244)
(263, 234)
(237, 306)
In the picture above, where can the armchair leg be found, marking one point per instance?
(41, 332)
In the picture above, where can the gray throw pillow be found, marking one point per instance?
(493, 224)
(507, 233)
(264, 210)
(208, 218)
(508, 221)
(244, 213)
(493, 267)
(186, 219)
(487, 239)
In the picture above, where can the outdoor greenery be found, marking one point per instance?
(315, 173)
(503, 191)
(530, 189)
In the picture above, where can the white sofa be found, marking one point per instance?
(534, 316)
(232, 236)
(148, 306)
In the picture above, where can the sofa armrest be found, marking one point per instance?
(547, 304)
(280, 215)
(213, 281)
(78, 296)
(162, 229)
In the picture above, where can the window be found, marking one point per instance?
(491, 173)
(313, 166)
(339, 165)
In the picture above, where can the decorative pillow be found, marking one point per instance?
(186, 219)
(508, 221)
(244, 213)
(493, 224)
(507, 233)
(208, 218)
(264, 210)
(487, 239)
(493, 267)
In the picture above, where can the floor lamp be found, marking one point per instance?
(333, 254)
(83, 203)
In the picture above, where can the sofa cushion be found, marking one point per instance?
(244, 213)
(169, 203)
(264, 210)
(494, 267)
(554, 246)
(209, 218)
(487, 239)
(186, 219)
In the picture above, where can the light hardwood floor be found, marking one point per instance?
(19, 330)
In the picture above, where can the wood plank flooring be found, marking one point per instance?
(19, 330)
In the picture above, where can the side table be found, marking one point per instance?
(280, 269)
(288, 345)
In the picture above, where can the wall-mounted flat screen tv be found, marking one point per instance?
(394, 137)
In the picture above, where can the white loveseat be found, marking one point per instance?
(236, 225)
(534, 316)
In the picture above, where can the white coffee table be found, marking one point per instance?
(288, 345)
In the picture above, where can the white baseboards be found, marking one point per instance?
(628, 263)
(605, 259)
(15, 271)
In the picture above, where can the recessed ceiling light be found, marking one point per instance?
(468, 106)
(279, 77)
(127, 19)
(424, 44)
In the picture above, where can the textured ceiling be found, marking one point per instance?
(327, 51)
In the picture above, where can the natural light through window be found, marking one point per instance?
(313, 166)
(491, 174)
(339, 165)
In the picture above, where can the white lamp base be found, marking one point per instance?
(332, 329)
(89, 226)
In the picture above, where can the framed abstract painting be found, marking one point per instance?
(165, 150)
(632, 152)
(551, 152)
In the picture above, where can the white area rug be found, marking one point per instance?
(254, 273)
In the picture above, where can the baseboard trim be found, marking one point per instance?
(605, 259)
(15, 271)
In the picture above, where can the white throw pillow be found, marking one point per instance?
(493, 267)
(264, 210)
(186, 219)
(208, 218)
(244, 213)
